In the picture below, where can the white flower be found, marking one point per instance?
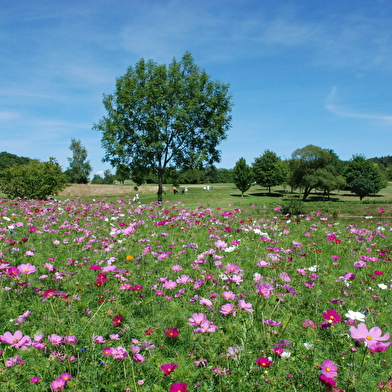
(382, 286)
(230, 249)
(308, 346)
(355, 316)
(285, 354)
(6, 218)
(313, 268)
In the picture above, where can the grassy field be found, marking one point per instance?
(341, 203)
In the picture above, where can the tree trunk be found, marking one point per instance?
(160, 185)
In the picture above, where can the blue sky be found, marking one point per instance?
(301, 72)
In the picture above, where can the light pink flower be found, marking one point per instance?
(16, 340)
(371, 336)
(26, 268)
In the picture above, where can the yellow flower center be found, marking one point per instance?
(369, 337)
(328, 369)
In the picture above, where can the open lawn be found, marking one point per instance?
(341, 203)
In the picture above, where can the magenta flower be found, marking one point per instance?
(264, 362)
(58, 384)
(272, 323)
(169, 368)
(332, 317)
(35, 379)
(329, 382)
(178, 387)
(171, 332)
(264, 289)
(329, 369)
(371, 336)
(66, 376)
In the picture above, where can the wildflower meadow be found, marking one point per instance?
(124, 296)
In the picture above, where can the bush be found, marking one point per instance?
(36, 180)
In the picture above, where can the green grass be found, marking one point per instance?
(341, 203)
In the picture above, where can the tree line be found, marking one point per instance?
(313, 168)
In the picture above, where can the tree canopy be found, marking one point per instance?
(7, 160)
(311, 167)
(269, 170)
(242, 175)
(79, 168)
(364, 177)
(163, 116)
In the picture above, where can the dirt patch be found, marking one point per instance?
(75, 190)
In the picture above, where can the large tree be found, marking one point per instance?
(269, 170)
(79, 168)
(309, 168)
(163, 116)
(242, 175)
(364, 177)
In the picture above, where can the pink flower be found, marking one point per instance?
(169, 368)
(16, 340)
(35, 379)
(245, 306)
(371, 336)
(56, 340)
(329, 369)
(197, 319)
(227, 309)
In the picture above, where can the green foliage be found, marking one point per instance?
(7, 160)
(36, 180)
(314, 167)
(243, 176)
(269, 170)
(364, 177)
(164, 116)
(122, 173)
(79, 169)
(107, 179)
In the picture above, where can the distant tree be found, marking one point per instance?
(364, 177)
(165, 116)
(35, 180)
(269, 170)
(225, 175)
(97, 179)
(308, 167)
(79, 168)
(243, 176)
(123, 173)
(107, 179)
(7, 160)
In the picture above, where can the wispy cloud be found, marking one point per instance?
(379, 119)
